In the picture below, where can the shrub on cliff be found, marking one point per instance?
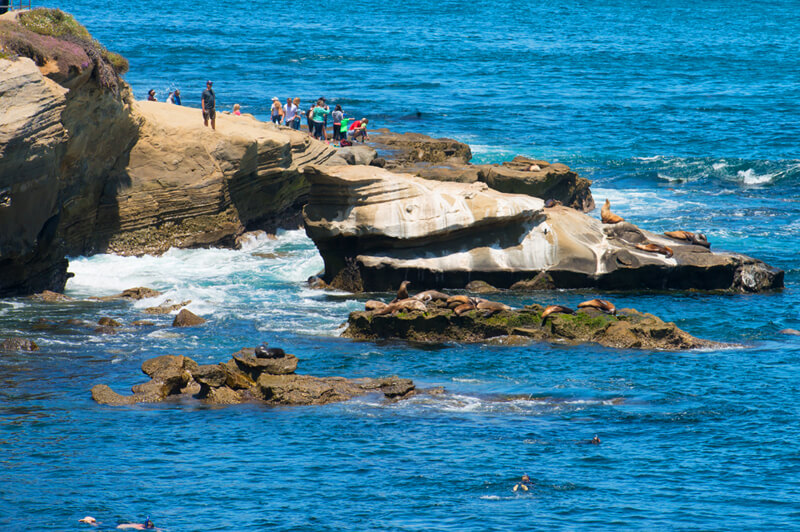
(53, 22)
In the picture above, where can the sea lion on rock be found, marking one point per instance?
(555, 309)
(464, 307)
(491, 307)
(402, 292)
(430, 295)
(403, 304)
(454, 301)
(655, 248)
(698, 239)
(374, 305)
(608, 217)
(599, 304)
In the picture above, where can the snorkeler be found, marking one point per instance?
(523, 484)
(147, 525)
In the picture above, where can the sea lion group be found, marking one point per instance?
(461, 304)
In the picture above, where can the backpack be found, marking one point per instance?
(344, 143)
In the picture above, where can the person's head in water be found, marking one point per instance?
(148, 523)
(525, 477)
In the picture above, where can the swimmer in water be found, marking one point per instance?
(147, 525)
(523, 484)
(89, 520)
(595, 440)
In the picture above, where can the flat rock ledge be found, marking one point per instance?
(251, 375)
(629, 329)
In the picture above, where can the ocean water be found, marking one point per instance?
(683, 114)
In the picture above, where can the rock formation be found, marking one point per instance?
(448, 160)
(629, 329)
(84, 168)
(375, 228)
(266, 376)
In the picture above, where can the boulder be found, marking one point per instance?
(480, 287)
(186, 318)
(211, 375)
(255, 366)
(222, 396)
(108, 322)
(374, 229)
(359, 154)
(16, 343)
(131, 294)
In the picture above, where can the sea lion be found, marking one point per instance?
(551, 203)
(608, 217)
(491, 307)
(402, 292)
(261, 351)
(600, 304)
(430, 295)
(555, 309)
(374, 305)
(464, 307)
(454, 301)
(403, 304)
(698, 239)
(655, 248)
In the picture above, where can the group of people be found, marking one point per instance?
(317, 117)
(345, 130)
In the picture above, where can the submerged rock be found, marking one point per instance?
(439, 324)
(15, 343)
(375, 229)
(247, 378)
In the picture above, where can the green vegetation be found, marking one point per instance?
(119, 63)
(53, 22)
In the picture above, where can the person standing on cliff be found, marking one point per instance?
(208, 102)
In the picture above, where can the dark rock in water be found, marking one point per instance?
(542, 281)
(317, 283)
(380, 162)
(43, 324)
(16, 343)
(186, 318)
(108, 322)
(480, 287)
(247, 378)
(792, 332)
(142, 323)
(437, 324)
(105, 329)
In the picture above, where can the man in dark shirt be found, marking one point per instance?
(208, 102)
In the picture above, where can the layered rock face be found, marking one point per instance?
(375, 229)
(266, 376)
(448, 160)
(85, 169)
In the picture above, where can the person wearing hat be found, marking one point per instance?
(208, 102)
(277, 111)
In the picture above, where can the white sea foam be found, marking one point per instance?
(750, 177)
(719, 166)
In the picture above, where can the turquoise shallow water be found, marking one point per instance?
(685, 116)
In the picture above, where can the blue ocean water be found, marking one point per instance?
(683, 114)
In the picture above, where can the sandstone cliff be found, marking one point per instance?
(84, 168)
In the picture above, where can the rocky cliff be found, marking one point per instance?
(375, 229)
(84, 168)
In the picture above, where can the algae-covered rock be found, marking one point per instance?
(439, 324)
